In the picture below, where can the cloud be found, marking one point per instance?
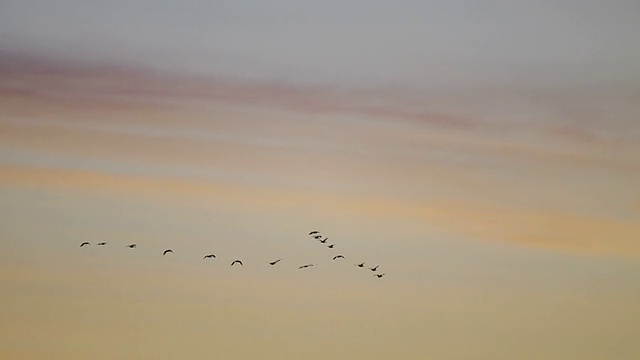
(39, 87)
(82, 85)
(579, 110)
(541, 228)
(548, 228)
(375, 151)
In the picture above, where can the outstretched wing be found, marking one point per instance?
(84, 243)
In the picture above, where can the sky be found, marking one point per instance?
(485, 154)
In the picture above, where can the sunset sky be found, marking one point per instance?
(486, 154)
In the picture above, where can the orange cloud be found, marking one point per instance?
(537, 228)
(73, 92)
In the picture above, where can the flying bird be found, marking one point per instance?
(360, 265)
(237, 261)
(338, 257)
(324, 240)
(379, 275)
(374, 268)
(305, 266)
(274, 262)
(318, 237)
(84, 243)
(208, 256)
(330, 246)
(102, 244)
(167, 251)
(132, 246)
(314, 232)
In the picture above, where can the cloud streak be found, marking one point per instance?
(551, 229)
(106, 121)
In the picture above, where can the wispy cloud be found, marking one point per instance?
(559, 230)
(554, 133)
(86, 84)
(474, 171)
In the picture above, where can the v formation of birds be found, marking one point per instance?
(313, 234)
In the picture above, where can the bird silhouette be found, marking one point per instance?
(338, 257)
(360, 265)
(318, 237)
(374, 268)
(237, 261)
(132, 246)
(324, 240)
(330, 246)
(379, 275)
(305, 266)
(102, 244)
(84, 243)
(314, 232)
(167, 251)
(274, 262)
(208, 256)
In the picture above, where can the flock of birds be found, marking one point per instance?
(313, 234)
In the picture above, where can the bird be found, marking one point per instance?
(360, 265)
(324, 240)
(318, 237)
(167, 251)
(237, 261)
(330, 246)
(338, 257)
(379, 275)
(374, 268)
(132, 246)
(84, 243)
(305, 266)
(274, 262)
(208, 256)
(314, 232)
(102, 243)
